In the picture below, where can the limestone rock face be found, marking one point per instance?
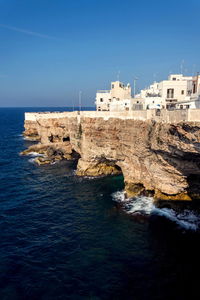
(50, 152)
(31, 131)
(153, 156)
(96, 168)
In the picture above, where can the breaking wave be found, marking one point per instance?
(35, 154)
(187, 218)
(31, 160)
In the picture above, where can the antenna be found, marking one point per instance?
(181, 66)
(118, 74)
(193, 69)
(80, 94)
(134, 85)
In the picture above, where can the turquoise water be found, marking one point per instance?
(64, 237)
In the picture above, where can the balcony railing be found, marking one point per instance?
(171, 100)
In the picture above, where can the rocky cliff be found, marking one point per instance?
(158, 158)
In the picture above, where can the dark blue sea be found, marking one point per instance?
(64, 237)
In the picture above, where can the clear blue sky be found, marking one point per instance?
(51, 49)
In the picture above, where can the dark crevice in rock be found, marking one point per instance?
(66, 139)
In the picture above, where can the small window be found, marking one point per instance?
(113, 86)
(194, 88)
(174, 78)
(181, 106)
(170, 93)
(153, 101)
(187, 106)
(101, 99)
(182, 92)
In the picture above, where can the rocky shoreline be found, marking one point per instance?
(51, 153)
(155, 158)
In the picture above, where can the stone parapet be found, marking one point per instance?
(165, 116)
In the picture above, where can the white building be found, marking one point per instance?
(118, 92)
(121, 105)
(151, 97)
(177, 92)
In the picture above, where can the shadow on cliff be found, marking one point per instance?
(188, 164)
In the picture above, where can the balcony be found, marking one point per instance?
(171, 100)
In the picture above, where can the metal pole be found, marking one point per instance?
(134, 85)
(80, 93)
(118, 74)
(181, 66)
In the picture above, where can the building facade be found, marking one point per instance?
(105, 99)
(177, 92)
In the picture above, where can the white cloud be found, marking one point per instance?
(44, 36)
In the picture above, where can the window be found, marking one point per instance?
(170, 93)
(187, 106)
(112, 86)
(174, 78)
(194, 88)
(181, 106)
(101, 99)
(182, 92)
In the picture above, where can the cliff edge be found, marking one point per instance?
(155, 157)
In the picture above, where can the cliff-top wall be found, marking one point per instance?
(153, 156)
(166, 116)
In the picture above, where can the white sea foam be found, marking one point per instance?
(25, 138)
(35, 154)
(31, 160)
(187, 219)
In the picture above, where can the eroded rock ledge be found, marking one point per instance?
(158, 158)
